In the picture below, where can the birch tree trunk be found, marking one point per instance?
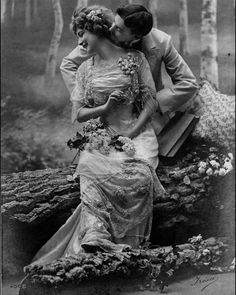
(152, 7)
(81, 4)
(13, 2)
(209, 50)
(27, 13)
(3, 11)
(55, 42)
(183, 28)
(35, 9)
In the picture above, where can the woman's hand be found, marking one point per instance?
(113, 100)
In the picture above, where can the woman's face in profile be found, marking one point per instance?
(87, 41)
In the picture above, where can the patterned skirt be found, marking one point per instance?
(115, 212)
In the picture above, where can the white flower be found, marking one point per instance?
(222, 172)
(231, 156)
(128, 65)
(201, 170)
(214, 163)
(232, 266)
(198, 238)
(205, 252)
(202, 164)
(228, 166)
(209, 171)
(129, 149)
(195, 239)
(216, 172)
(123, 139)
(186, 180)
(212, 156)
(206, 263)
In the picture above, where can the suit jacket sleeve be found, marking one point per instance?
(146, 84)
(70, 65)
(184, 83)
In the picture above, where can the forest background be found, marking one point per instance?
(35, 118)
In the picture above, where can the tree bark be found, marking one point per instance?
(153, 8)
(82, 4)
(36, 203)
(27, 13)
(183, 23)
(33, 197)
(209, 48)
(55, 42)
(126, 270)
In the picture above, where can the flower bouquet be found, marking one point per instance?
(95, 137)
(216, 165)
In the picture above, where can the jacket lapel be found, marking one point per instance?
(152, 51)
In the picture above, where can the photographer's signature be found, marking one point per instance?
(207, 281)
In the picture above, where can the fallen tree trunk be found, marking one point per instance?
(33, 196)
(36, 203)
(130, 270)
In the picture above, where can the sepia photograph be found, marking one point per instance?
(117, 147)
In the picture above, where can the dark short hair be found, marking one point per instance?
(98, 24)
(137, 18)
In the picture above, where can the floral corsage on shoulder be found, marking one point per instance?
(95, 137)
(129, 65)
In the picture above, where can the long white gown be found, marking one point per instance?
(117, 190)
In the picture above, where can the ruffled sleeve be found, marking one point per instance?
(78, 94)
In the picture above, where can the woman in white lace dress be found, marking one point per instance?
(117, 186)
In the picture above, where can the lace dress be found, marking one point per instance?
(117, 190)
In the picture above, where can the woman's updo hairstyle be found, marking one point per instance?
(95, 19)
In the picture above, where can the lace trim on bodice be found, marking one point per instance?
(100, 81)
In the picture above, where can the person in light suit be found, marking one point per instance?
(133, 28)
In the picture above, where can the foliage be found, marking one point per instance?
(157, 265)
(96, 137)
(26, 143)
(216, 166)
(195, 169)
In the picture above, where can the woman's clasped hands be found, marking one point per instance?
(116, 97)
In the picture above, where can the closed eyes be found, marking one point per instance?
(80, 34)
